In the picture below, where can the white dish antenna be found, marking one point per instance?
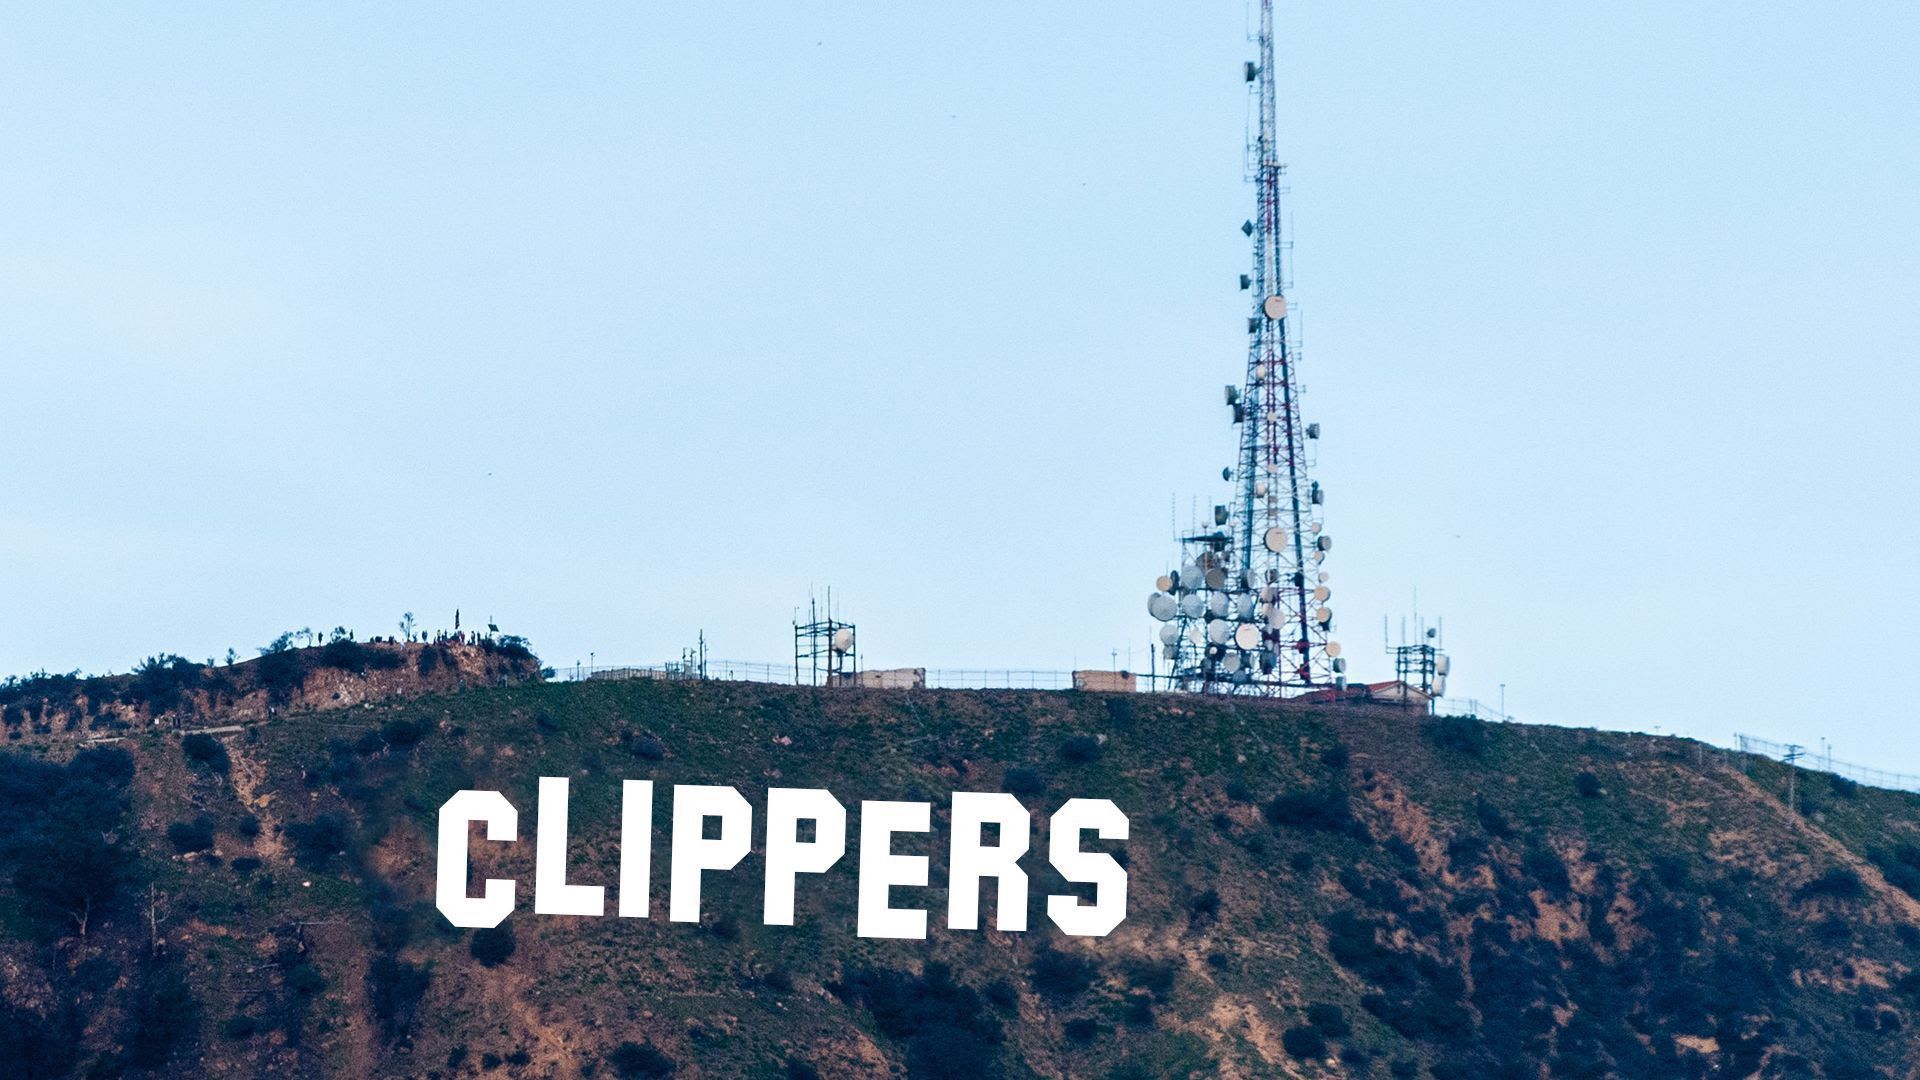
(1216, 578)
(1164, 583)
(1275, 307)
(1276, 540)
(1247, 637)
(1169, 633)
(1333, 648)
(1217, 605)
(1320, 594)
(1230, 663)
(1323, 616)
(1193, 605)
(843, 640)
(1162, 607)
(1217, 632)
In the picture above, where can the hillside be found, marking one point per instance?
(1314, 893)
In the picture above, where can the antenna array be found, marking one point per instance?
(1247, 610)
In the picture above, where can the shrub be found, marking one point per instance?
(1329, 1020)
(1081, 1029)
(1492, 821)
(801, 1070)
(1462, 734)
(1839, 883)
(640, 1061)
(429, 660)
(493, 945)
(188, 836)
(1842, 787)
(394, 990)
(239, 1027)
(203, 749)
(1021, 780)
(1324, 809)
(1336, 756)
(1239, 791)
(1001, 995)
(245, 864)
(1900, 866)
(647, 748)
(1061, 975)
(1588, 785)
(1081, 749)
(948, 1034)
(404, 734)
(1547, 868)
(317, 842)
(1304, 1043)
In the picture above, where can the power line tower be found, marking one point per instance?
(1247, 610)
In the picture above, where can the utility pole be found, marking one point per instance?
(1793, 775)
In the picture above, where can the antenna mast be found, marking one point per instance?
(1247, 613)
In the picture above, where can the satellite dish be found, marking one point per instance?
(1333, 648)
(1315, 528)
(1162, 607)
(1164, 583)
(1217, 632)
(1230, 663)
(1193, 605)
(1320, 594)
(1325, 543)
(1277, 617)
(1266, 594)
(1276, 540)
(1243, 676)
(843, 639)
(1319, 556)
(1275, 307)
(1259, 487)
(1169, 633)
(1247, 637)
(1217, 605)
(1190, 576)
(1323, 577)
(1216, 578)
(1323, 616)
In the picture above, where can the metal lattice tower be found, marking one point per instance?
(1246, 612)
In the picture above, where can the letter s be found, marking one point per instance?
(1101, 870)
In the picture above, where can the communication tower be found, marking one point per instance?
(1421, 663)
(1247, 610)
(824, 650)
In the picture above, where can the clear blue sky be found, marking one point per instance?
(619, 322)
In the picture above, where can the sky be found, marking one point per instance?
(619, 323)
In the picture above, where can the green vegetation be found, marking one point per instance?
(1330, 893)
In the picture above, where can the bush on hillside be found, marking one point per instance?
(641, 1061)
(1325, 809)
(202, 749)
(1461, 734)
(1839, 883)
(493, 945)
(190, 836)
